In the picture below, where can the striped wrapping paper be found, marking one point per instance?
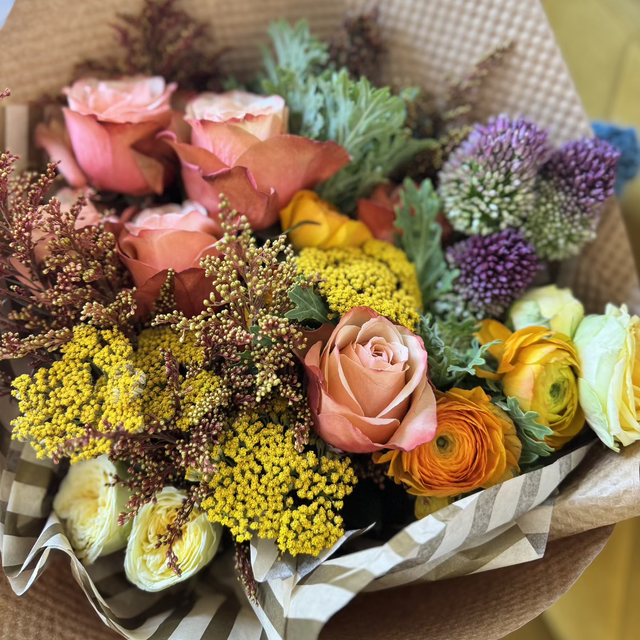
(505, 525)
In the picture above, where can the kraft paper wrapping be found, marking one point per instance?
(489, 534)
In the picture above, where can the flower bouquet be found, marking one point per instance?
(280, 334)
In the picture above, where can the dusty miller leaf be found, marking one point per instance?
(421, 239)
(530, 432)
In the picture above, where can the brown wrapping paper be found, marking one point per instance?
(428, 41)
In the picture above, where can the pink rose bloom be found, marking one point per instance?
(170, 237)
(368, 386)
(239, 147)
(111, 128)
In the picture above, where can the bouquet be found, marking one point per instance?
(274, 340)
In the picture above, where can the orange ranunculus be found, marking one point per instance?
(170, 237)
(317, 223)
(110, 137)
(475, 447)
(239, 147)
(539, 368)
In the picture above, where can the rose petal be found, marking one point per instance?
(157, 248)
(336, 384)
(226, 141)
(105, 155)
(379, 218)
(239, 187)
(54, 139)
(373, 390)
(290, 163)
(191, 289)
(420, 422)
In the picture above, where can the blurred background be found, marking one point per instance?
(600, 40)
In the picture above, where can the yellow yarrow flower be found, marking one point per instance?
(101, 380)
(264, 487)
(376, 275)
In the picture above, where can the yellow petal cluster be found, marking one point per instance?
(376, 275)
(101, 379)
(314, 222)
(264, 487)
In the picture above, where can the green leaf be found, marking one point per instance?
(421, 239)
(310, 307)
(294, 50)
(530, 432)
(453, 351)
(265, 341)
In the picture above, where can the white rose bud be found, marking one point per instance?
(90, 503)
(146, 565)
(549, 307)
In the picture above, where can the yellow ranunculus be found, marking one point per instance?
(609, 353)
(90, 503)
(549, 307)
(317, 223)
(146, 565)
(539, 368)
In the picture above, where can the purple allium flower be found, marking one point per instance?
(494, 271)
(572, 186)
(488, 182)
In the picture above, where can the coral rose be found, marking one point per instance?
(111, 126)
(368, 386)
(539, 368)
(239, 148)
(317, 223)
(170, 237)
(475, 447)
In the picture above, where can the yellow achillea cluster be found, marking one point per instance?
(265, 487)
(198, 392)
(95, 380)
(101, 378)
(376, 275)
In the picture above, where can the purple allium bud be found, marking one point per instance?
(572, 186)
(494, 270)
(488, 182)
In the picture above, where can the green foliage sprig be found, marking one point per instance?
(453, 350)
(326, 104)
(421, 239)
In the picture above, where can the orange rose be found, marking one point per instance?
(475, 446)
(239, 147)
(368, 385)
(170, 237)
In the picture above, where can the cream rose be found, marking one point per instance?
(368, 386)
(609, 385)
(90, 503)
(262, 116)
(146, 565)
(549, 307)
